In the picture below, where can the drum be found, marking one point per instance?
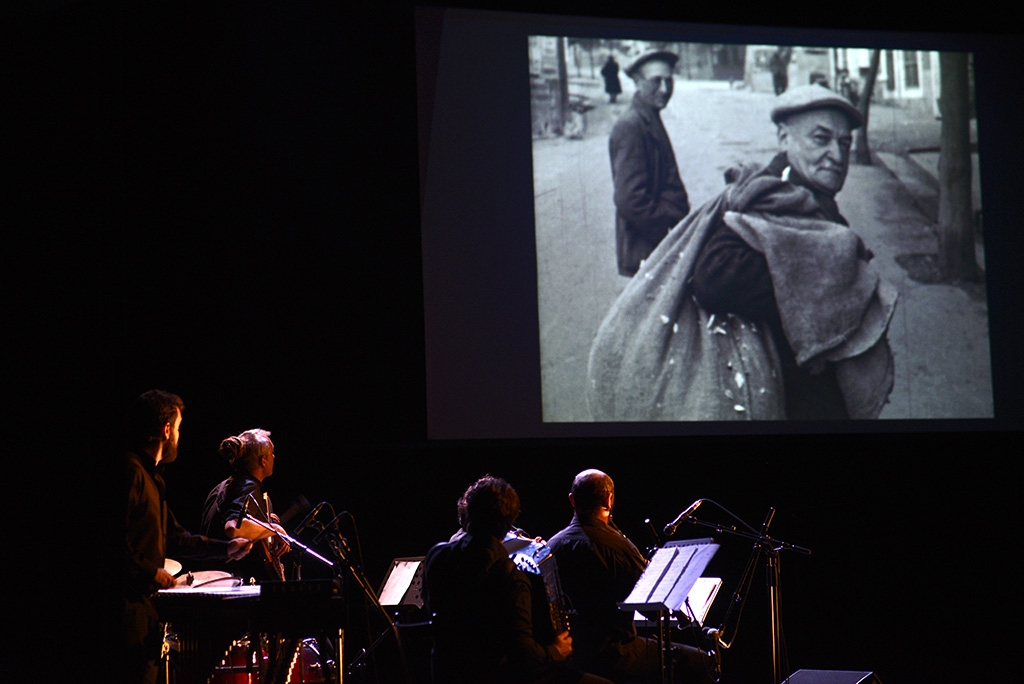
(241, 664)
(307, 668)
(172, 566)
(206, 579)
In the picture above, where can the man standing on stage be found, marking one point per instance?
(151, 530)
(598, 567)
(649, 194)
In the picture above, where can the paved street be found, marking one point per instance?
(940, 332)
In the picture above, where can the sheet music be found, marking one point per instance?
(398, 582)
(644, 590)
(701, 597)
(670, 575)
(698, 601)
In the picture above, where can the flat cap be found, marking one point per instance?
(669, 58)
(814, 96)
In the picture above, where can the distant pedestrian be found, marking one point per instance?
(610, 73)
(778, 64)
(649, 194)
(762, 305)
(848, 87)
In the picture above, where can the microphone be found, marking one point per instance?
(308, 520)
(332, 525)
(299, 506)
(670, 529)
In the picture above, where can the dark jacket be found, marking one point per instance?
(649, 194)
(610, 73)
(598, 567)
(483, 620)
(227, 501)
(152, 532)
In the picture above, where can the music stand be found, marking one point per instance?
(664, 586)
(403, 585)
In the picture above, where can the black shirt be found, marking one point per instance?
(598, 567)
(483, 620)
(227, 501)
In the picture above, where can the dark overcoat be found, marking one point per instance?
(610, 73)
(649, 194)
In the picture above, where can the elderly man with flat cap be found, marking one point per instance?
(649, 194)
(775, 310)
(737, 273)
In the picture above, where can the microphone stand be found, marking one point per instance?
(771, 548)
(276, 659)
(291, 541)
(342, 553)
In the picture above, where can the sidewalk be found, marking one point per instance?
(941, 329)
(939, 333)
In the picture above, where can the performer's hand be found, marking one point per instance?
(280, 546)
(238, 547)
(163, 579)
(563, 644)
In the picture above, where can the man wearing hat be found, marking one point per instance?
(762, 304)
(649, 194)
(761, 273)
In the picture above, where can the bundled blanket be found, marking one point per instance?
(658, 356)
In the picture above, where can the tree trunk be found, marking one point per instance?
(861, 149)
(956, 226)
(563, 86)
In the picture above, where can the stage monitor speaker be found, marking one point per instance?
(831, 677)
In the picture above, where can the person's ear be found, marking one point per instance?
(783, 134)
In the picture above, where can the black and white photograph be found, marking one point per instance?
(757, 232)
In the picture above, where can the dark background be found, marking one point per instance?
(221, 200)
